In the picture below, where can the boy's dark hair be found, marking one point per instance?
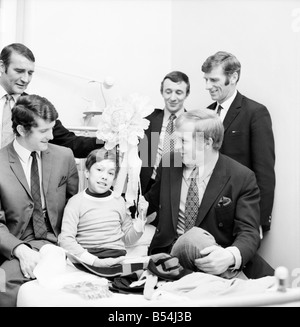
(98, 155)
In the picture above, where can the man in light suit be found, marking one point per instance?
(224, 235)
(33, 119)
(175, 88)
(17, 65)
(248, 136)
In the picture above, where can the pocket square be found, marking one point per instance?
(224, 201)
(62, 181)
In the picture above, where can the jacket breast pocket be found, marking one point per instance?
(225, 216)
(62, 181)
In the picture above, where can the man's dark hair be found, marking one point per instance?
(176, 77)
(28, 108)
(229, 63)
(19, 48)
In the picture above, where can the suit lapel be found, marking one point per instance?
(214, 187)
(46, 168)
(233, 111)
(17, 168)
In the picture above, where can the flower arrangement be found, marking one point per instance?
(123, 122)
(122, 125)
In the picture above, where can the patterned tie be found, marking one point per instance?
(39, 225)
(192, 201)
(219, 109)
(7, 132)
(169, 140)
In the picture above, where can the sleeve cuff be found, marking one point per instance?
(88, 258)
(237, 257)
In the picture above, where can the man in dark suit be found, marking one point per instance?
(217, 230)
(175, 88)
(17, 64)
(20, 211)
(248, 136)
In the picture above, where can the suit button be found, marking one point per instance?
(221, 225)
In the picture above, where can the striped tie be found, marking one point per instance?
(39, 225)
(7, 134)
(168, 139)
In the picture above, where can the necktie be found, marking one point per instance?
(168, 139)
(219, 109)
(192, 201)
(7, 132)
(39, 225)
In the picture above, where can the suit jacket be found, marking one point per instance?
(148, 147)
(236, 224)
(248, 138)
(60, 182)
(80, 145)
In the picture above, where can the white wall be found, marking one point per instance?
(139, 41)
(128, 40)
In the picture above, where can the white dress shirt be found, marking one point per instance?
(167, 115)
(226, 105)
(26, 161)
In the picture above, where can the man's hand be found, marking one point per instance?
(28, 259)
(215, 260)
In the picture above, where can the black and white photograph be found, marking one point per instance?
(149, 156)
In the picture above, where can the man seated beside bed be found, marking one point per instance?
(207, 204)
(29, 220)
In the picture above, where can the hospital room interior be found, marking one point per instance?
(89, 52)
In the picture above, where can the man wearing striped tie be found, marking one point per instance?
(36, 181)
(158, 140)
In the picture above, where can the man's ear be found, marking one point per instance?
(86, 174)
(21, 130)
(234, 78)
(2, 67)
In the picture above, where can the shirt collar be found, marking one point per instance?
(22, 152)
(167, 113)
(188, 170)
(3, 93)
(227, 103)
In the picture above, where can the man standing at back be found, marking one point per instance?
(248, 135)
(175, 88)
(17, 64)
